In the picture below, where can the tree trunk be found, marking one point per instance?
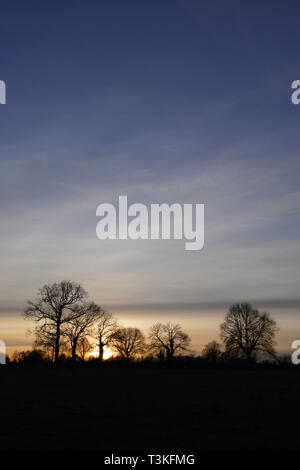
(57, 341)
(170, 355)
(250, 358)
(101, 352)
(74, 347)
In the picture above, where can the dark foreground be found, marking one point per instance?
(149, 409)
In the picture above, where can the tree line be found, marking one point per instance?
(68, 323)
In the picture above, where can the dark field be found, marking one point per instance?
(149, 409)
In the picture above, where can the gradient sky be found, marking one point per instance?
(165, 101)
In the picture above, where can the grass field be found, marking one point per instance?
(149, 409)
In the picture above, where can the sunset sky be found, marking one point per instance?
(163, 101)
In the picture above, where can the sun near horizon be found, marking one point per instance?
(94, 353)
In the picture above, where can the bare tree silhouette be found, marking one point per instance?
(212, 352)
(55, 305)
(80, 327)
(128, 342)
(168, 338)
(246, 331)
(104, 332)
(84, 346)
(45, 338)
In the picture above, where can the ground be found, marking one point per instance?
(148, 409)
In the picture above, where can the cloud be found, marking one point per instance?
(249, 252)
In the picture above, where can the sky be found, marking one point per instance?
(163, 101)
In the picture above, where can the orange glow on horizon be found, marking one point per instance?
(95, 353)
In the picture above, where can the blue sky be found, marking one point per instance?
(165, 101)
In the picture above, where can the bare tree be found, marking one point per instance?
(128, 342)
(45, 338)
(246, 331)
(104, 332)
(55, 305)
(168, 338)
(84, 346)
(80, 327)
(212, 352)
